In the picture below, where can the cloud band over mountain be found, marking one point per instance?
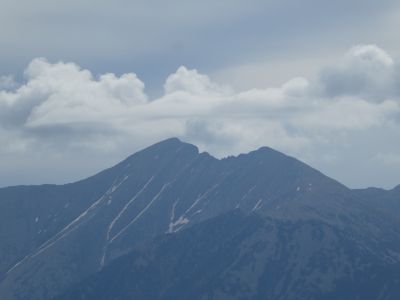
(62, 108)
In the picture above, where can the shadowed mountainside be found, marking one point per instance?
(56, 237)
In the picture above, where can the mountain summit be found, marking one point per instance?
(169, 222)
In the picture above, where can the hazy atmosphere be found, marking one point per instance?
(83, 84)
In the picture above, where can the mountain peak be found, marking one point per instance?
(264, 150)
(171, 140)
(396, 188)
(167, 147)
(267, 154)
(171, 143)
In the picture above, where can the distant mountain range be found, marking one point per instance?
(171, 223)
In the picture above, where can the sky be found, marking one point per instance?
(83, 84)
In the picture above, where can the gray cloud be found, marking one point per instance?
(63, 113)
(367, 71)
(155, 37)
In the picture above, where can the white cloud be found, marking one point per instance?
(190, 81)
(63, 93)
(66, 109)
(366, 71)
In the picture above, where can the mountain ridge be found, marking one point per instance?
(164, 189)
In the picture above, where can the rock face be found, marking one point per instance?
(172, 223)
(234, 256)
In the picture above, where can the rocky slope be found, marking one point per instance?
(308, 228)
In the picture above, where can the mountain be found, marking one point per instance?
(171, 223)
(382, 200)
(238, 256)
